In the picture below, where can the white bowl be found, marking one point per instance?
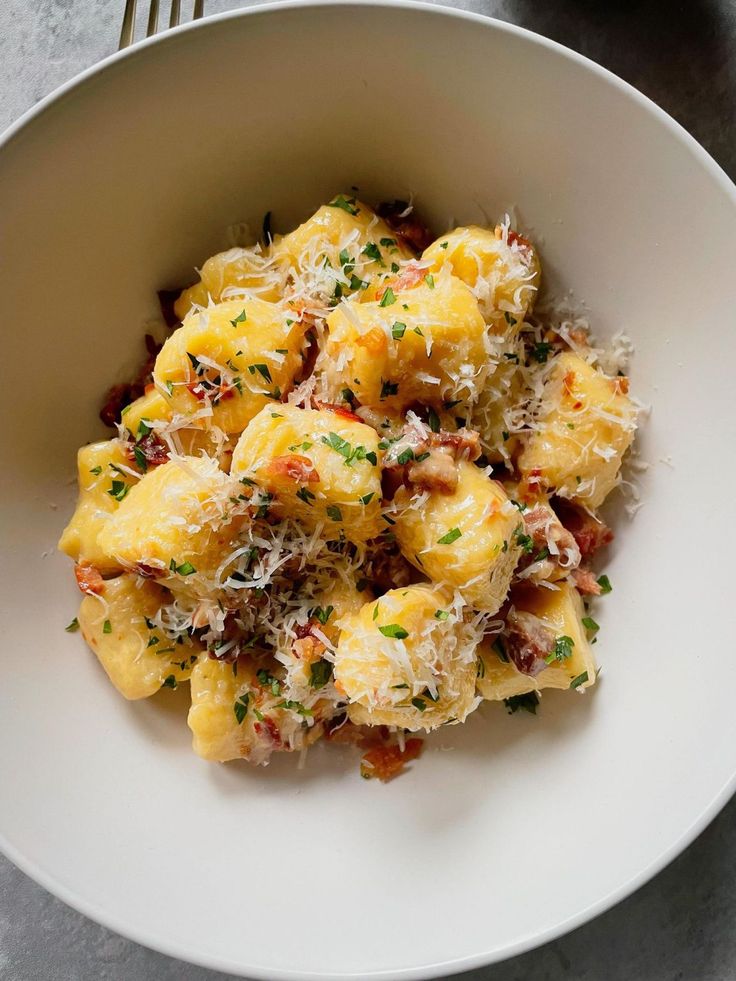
(119, 185)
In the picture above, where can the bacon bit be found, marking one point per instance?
(512, 237)
(89, 579)
(437, 472)
(528, 642)
(543, 526)
(338, 409)
(374, 341)
(121, 395)
(585, 581)
(270, 730)
(464, 443)
(620, 385)
(409, 277)
(309, 358)
(386, 567)
(387, 762)
(409, 228)
(308, 649)
(152, 447)
(589, 532)
(293, 467)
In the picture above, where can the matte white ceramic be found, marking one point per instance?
(510, 830)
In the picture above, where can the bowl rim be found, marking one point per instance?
(712, 809)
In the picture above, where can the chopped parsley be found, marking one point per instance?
(241, 707)
(262, 370)
(441, 614)
(561, 651)
(434, 421)
(590, 624)
(267, 680)
(605, 583)
(540, 352)
(580, 680)
(523, 541)
(388, 388)
(429, 280)
(323, 615)
(118, 489)
(388, 298)
(341, 446)
(394, 630)
(367, 498)
(140, 458)
(305, 495)
(72, 627)
(387, 243)
(452, 536)
(419, 703)
(405, 456)
(240, 319)
(320, 672)
(334, 512)
(372, 251)
(185, 569)
(347, 204)
(96, 471)
(511, 321)
(398, 330)
(170, 682)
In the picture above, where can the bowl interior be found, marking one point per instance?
(508, 829)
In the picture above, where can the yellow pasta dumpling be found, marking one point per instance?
(466, 539)
(546, 637)
(501, 268)
(151, 417)
(234, 273)
(408, 660)
(585, 424)
(239, 712)
(138, 657)
(177, 522)
(422, 344)
(104, 481)
(228, 361)
(341, 247)
(321, 467)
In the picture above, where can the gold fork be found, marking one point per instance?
(127, 31)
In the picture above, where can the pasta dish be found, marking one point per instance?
(355, 492)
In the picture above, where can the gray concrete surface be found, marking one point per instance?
(682, 925)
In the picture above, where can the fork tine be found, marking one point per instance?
(198, 9)
(152, 18)
(126, 32)
(174, 13)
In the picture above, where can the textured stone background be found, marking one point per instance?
(682, 925)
